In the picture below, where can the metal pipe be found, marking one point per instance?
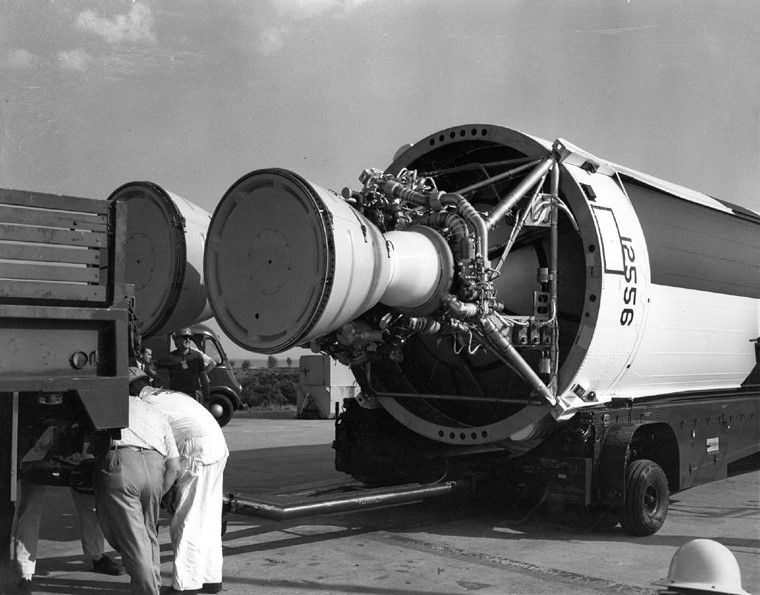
(504, 349)
(458, 228)
(498, 177)
(471, 215)
(331, 504)
(457, 308)
(553, 260)
(455, 398)
(517, 193)
(519, 224)
(398, 190)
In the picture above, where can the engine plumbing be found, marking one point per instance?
(468, 312)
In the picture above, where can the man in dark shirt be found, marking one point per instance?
(187, 368)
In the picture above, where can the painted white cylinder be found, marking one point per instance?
(288, 262)
(418, 264)
(165, 240)
(659, 293)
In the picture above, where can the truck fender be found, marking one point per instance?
(613, 461)
(230, 394)
(660, 446)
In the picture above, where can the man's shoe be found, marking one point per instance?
(104, 565)
(212, 587)
(24, 586)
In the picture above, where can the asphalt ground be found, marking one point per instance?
(437, 547)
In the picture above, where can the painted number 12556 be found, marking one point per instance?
(629, 292)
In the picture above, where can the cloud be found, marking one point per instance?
(304, 9)
(289, 12)
(76, 60)
(19, 59)
(271, 39)
(135, 26)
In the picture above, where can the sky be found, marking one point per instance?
(194, 94)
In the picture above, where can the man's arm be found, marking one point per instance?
(208, 362)
(171, 471)
(205, 385)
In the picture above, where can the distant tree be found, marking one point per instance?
(289, 361)
(232, 363)
(272, 362)
(246, 364)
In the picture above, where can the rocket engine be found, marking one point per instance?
(165, 239)
(485, 287)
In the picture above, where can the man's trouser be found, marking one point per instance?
(26, 526)
(128, 485)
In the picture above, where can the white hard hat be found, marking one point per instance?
(705, 565)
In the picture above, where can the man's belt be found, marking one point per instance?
(137, 448)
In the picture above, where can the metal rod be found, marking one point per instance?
(519, 224)
(14, 448)
(331, 504)
(504, 349)
(517, 193)
(456, 398)
(497, 177)
(553, 260)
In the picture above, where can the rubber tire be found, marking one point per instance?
(227, 409)
(646, 498)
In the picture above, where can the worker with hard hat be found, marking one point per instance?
(187, 367)
(703, 566)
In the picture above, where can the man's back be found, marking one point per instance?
(190, 422)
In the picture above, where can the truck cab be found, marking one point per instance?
(224, 389)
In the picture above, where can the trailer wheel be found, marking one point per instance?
(646, 498)
(221, 408)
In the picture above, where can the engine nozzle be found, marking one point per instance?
(287, 262)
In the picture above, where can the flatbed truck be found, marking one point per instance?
(66, 330)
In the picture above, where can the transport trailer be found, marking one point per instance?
(66, 327)
(503, 302)
(617, 462)
(621, 461)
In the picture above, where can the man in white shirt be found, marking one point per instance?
(196, 525)
(129, 482)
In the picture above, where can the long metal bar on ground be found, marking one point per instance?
(331, 503)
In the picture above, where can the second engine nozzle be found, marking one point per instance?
(164, 248)
(287, 262)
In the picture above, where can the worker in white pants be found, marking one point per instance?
(196, 525)
(26, 530)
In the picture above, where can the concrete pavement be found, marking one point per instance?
(436, 547)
